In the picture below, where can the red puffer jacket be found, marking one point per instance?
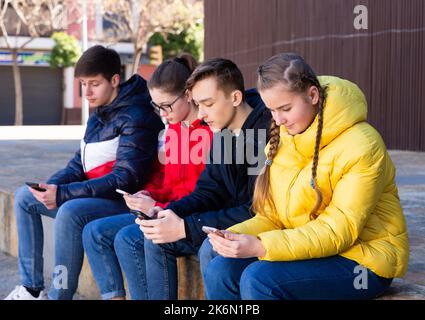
(186, 150)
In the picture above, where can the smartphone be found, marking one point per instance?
(212, 230)
(123, 192)
(139, 214)
(35, 186)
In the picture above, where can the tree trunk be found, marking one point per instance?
(137, 57)
(18, 90)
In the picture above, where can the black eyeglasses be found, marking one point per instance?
(166, 107)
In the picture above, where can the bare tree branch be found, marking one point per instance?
(139, 20)
(5, 36)
(33, 17)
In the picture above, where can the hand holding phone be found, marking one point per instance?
(208, 230)
(139, 214)
(35, 186)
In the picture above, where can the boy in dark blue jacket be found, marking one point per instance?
(223, 193)
(118, 150)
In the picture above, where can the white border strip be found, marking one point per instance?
(42, 132)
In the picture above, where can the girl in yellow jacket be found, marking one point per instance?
(328, 221)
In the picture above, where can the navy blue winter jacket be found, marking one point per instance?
(118, 149)
(223, 193)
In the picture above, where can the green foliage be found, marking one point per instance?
(189, 40)
(66, 51)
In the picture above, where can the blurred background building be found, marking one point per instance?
(142, 32)
(377, 44)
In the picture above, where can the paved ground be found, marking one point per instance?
(32, 160)
(28, 161)
(36, 160)
(9, 277)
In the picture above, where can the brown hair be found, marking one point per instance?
(171, 75)
(291, 70)
(98, 60)
(225, 71)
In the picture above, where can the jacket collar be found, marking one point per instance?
(131, 92)
(345, 105)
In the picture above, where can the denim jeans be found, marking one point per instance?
(161, 267)
(110, 242)
(70, 219)
(327, 278)
(206, 254)
(150, 269)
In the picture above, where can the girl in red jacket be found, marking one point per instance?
(187, 139)
(181, 161)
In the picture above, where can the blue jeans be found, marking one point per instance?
(109, 243)
(161, 267)
(150, 269)
(71, 217)
(315, 279)
(115, 245)
(206, 254)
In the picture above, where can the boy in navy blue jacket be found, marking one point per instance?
(223, 193)
(118, 150)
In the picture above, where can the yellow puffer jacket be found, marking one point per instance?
(360, 217)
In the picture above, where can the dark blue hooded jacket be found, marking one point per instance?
(119, 147)
(223, 193)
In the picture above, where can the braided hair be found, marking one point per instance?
(291, 70)
(262, 190)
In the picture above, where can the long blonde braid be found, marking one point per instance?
(262, 190)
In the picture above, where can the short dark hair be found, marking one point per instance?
(98, 60)
(226, 72)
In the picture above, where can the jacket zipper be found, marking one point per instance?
(288, 192)
(84, 158)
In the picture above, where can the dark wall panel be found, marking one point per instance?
(42, 95)
(387, 60)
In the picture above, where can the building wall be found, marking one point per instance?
(387, 60)
(42, 95)
(68, 87)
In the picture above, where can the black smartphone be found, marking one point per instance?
(35, 186)
(139, 214)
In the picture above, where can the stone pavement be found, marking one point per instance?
(37, 160)
(9, 277)
(29, 161)
(411, 186)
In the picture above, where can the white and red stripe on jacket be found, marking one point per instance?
(98, 158)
